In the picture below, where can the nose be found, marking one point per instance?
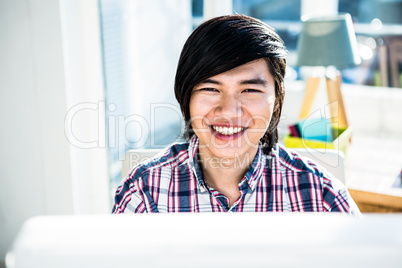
(229, 106)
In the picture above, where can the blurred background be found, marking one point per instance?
(83, 81)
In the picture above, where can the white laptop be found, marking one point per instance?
(209, 240)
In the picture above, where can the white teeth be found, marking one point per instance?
(227, 130)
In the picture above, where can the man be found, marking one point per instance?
(229, 84)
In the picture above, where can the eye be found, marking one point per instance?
(208, 89)
(251, 90)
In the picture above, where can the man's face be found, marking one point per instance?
(230, 112)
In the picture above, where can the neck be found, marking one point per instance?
(225, 172)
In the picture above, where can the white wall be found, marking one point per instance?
(34, 155)
(40, 174)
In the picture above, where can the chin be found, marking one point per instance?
(230, 152)
(230, 148)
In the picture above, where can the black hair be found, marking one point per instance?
(221, 44)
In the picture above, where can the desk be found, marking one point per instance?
(372, 171)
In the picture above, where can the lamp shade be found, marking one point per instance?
(328, 41)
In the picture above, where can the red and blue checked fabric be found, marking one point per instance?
(279, 182)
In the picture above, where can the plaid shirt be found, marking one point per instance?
(280, 181)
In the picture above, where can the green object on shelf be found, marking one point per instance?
(341, 141)
(377, 79)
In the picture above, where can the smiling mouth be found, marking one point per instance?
(228, 130)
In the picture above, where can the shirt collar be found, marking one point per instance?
(252, 175)
(193, 147)
(255, 171)
(194, 162)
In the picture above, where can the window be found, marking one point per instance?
(142, 41)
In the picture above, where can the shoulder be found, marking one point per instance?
(291, 164)
(327, 189)
(133, 192)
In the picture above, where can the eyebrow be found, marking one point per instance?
(253, 81)
(211, 81)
